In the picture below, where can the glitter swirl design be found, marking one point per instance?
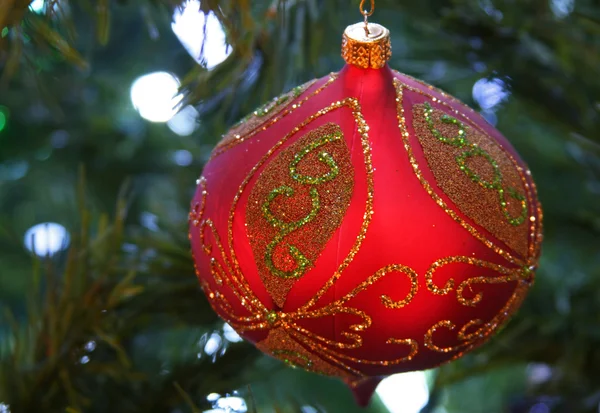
(287, 338)
(285, 228)
(520, 270)
(471, 151)
(296, 204)
(327, 356)
(506, 275)
(532, 250)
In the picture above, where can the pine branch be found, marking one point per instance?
(84, 313)
(273, 47)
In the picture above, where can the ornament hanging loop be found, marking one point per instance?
(366, 14)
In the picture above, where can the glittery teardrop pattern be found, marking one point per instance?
(296, 205)
(475, 174)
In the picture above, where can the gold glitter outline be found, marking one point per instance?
(531, 260)
(261, 318)
(481, 335)
(220, 149)
(302, 336)
(265, 320)
(363, 129)
(507, 275)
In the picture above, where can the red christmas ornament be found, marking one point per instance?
(365, 223)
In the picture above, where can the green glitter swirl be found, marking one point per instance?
(286, 228)
(473, 150)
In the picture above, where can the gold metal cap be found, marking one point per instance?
(372, 50)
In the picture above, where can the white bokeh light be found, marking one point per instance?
(46, 239)
(489, 92)
(232, 404)
(213, 344)
(562, 8)
(183, 157)
(58, 7)
(37, 6)
(230, 334)
(155, 96)
(404, 393)
(185, 122)
(538, 373)
(190, 25)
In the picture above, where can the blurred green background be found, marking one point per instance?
(105, 314)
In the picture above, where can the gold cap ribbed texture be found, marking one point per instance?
(364, 50)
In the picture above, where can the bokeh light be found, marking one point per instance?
(562, 8)
(230, 334)
(538, 373)
(183, 157)
(46, 239)
(185, 122)
(404, 393)
(59, 7)
(213, 344)
(201, 34)
(539, 408)
(232, 404)
(13, 170)
(226, 404)
(489, 93)
(155, 96)
(37, 6)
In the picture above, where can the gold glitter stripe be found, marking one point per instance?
(462, 335)
(414, 348)
(536, 226)
(336, 357)
(357, 340)
(363, 128)
(435, 89)
(406, 139)
(508, 275)
(476, 338)
(331, 310)
(221, 275)
(319, 351)
(234, 279)
(197, 211)
(219, 304)
(224, 148)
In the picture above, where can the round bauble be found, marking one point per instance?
(365, 223)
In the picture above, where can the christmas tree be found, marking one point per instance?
(108, 113)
